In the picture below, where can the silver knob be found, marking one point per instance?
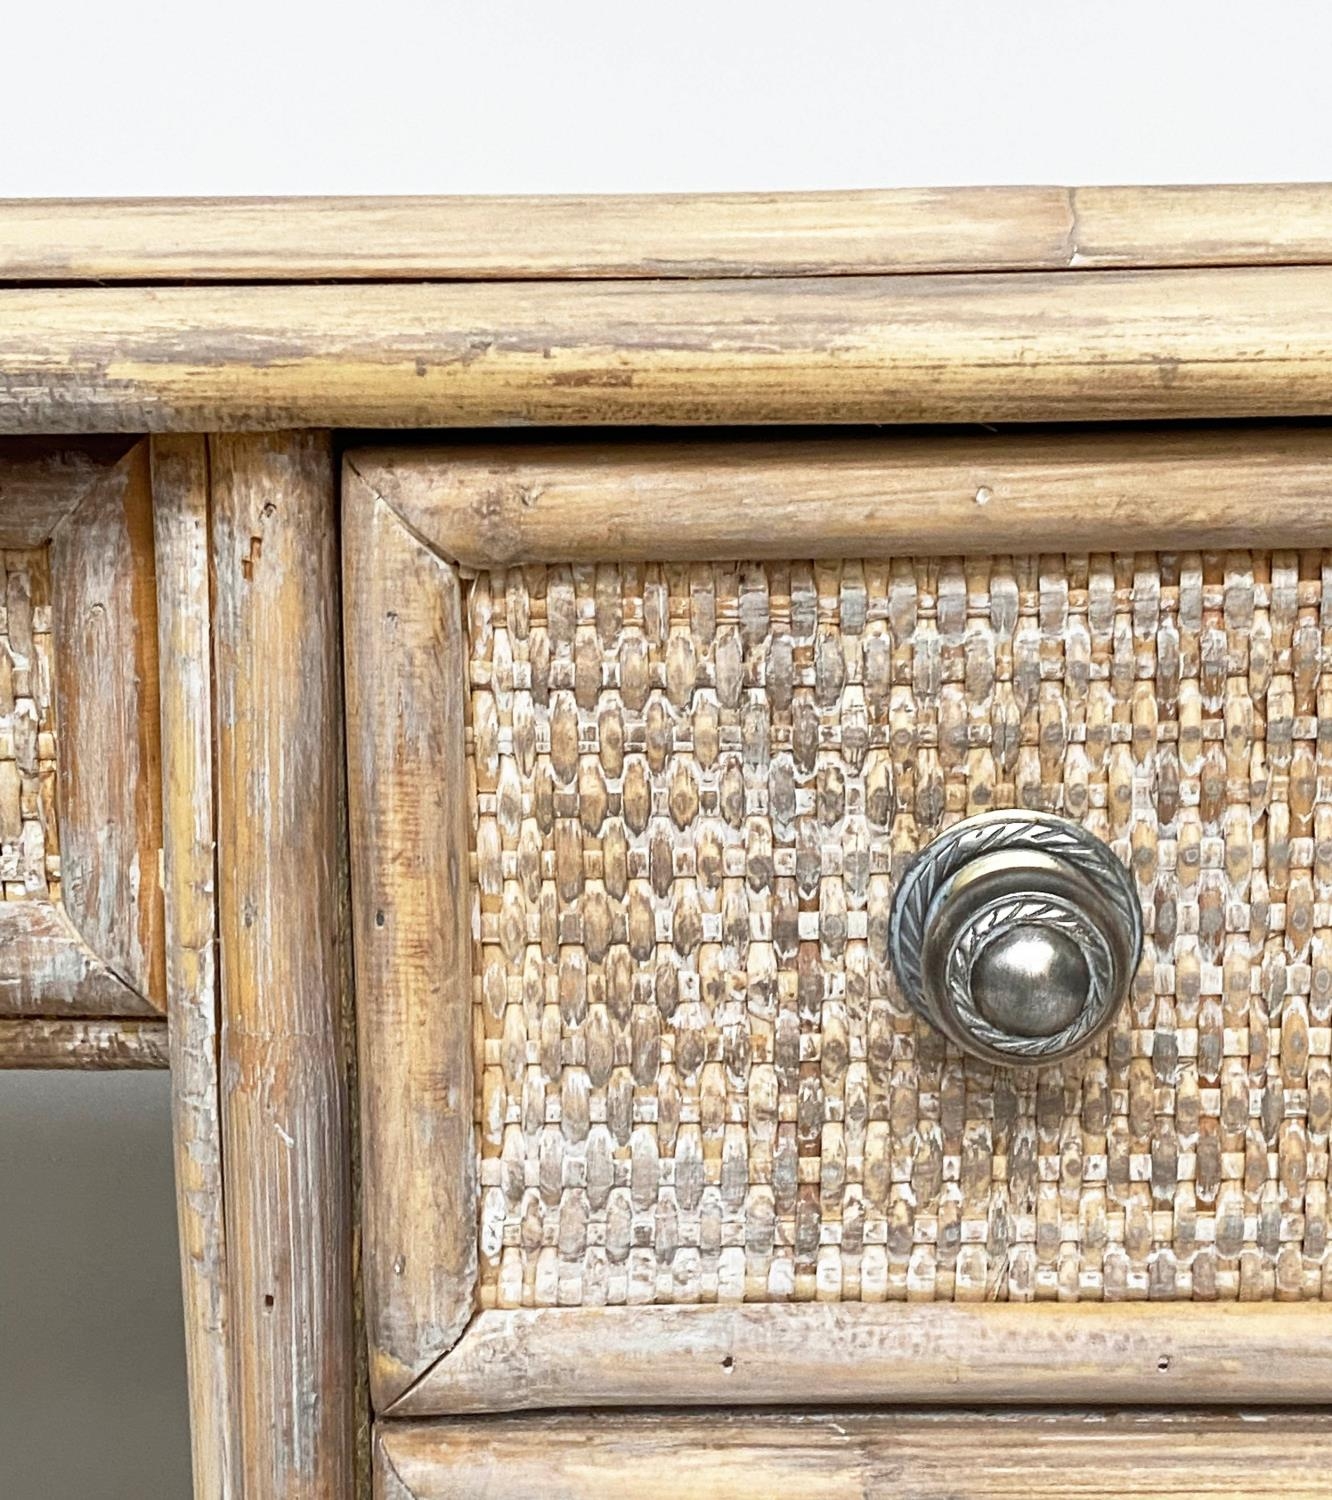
(1017, 935)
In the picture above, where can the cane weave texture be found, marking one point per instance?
(695, 788)
(29, 852)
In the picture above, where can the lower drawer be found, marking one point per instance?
(728, 1455)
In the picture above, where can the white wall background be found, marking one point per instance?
(270, 96)
(264, 97)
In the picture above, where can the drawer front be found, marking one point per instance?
(707, 1130)
(80, 778)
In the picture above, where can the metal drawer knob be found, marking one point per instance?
(1016, 934)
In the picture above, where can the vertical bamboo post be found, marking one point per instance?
(184, 615)
(283, 925)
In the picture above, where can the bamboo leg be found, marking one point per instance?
(283, 928)
(180, 509)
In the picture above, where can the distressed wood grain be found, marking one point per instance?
(40, 1042)
(181, 527)
(44, 480)
(479, 238)
(1009, 347)
(47, 967)
(283, 931)
(106, 692)
(949, 1353)
(90, 943)
(409, 800)
(494, 504)
(864, 232)
(854, 1455)
(1255, 223)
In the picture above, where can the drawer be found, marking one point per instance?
(81, 925)
(643, 740)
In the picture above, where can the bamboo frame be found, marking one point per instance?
(282, 938)
(1028, 346)
(36, 1042)
(411, 520)
(181, 503)
(867, 1354)
(99, 952)
(412, 941)
(669, 235)
(496, 504)
(845, 1455)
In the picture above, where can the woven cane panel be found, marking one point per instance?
(29, 852)
(695, 789)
